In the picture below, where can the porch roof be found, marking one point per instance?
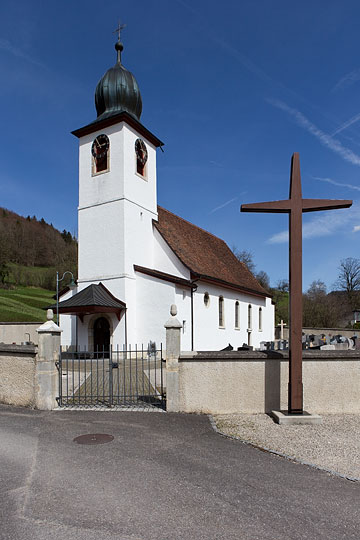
(92, 299)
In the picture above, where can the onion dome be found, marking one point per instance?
(117, 91)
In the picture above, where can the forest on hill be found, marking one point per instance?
(31, 251)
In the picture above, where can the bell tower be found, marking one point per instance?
(117, 186)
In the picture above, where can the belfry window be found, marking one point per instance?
(141, 157)
(100, 154)
(221, 312)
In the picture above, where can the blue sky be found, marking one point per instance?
(232, 88)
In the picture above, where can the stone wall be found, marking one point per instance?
(28, 373)
(256, 382)
(17, 375)
(19, 332)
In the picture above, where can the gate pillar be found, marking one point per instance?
(173, 346)
(46, 375)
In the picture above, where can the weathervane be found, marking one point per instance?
(295, 206)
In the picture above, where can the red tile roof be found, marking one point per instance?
(206, 255)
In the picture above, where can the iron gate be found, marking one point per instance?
(108, 378)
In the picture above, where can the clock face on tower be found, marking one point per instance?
(100, 154)
(100, 146)
(141, 152)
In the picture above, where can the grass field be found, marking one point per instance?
(24, 304)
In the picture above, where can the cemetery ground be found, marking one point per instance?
(163, 475)
(332, 446)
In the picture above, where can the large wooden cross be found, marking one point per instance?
(295, 206)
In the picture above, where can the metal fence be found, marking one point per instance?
(109, 378)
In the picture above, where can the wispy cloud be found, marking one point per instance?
(347, 80)
(324, 224)
(347, 124)
(216, 163)
(223, 205)
(326, 140)
(6, 45)
(335, 183)
(356, 228)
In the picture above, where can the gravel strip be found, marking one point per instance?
(333, 445)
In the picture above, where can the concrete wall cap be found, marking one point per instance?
(50, 327)
(173, 323)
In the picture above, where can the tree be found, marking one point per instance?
(349, 275)
(263, 279)
(283, 285)
(349, 279)
(281, 301)
(320, 310)
(245, 257)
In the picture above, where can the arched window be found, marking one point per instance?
(249, 317)
(260, 319)
(237, 320)
(100, 154)
(221, 312)
(206, 299)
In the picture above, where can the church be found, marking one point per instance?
(136, 258)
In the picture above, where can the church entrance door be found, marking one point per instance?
(101, 335)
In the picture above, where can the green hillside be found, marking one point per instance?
(31, 252)
(24, 304)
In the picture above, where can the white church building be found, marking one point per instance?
(136, 259)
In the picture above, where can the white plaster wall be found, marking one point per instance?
(209, 336)
(165, 260)
(101, 241)
(183, 303)
(68, 323)
(154, 298)
(121, 180)
(138, 237)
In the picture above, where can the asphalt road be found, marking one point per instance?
(164, 476)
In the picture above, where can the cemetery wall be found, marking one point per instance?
(18, 375)
(256, 382)
(18, 332)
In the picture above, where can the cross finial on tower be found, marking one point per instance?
(118, 29)
(119, 46)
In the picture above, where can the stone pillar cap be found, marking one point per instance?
(49, 326)
(173, 323)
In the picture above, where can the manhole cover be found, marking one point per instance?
(95, 438)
